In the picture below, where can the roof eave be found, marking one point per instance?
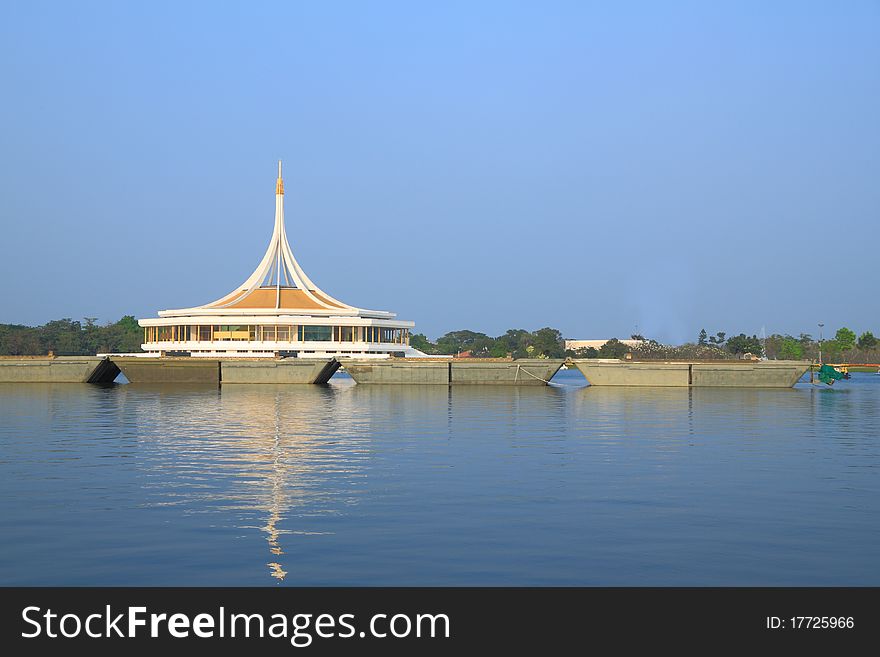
(330, 312)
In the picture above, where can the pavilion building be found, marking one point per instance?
(277, 311)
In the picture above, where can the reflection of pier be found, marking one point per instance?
(682, 414)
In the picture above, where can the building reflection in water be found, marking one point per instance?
(276, 506)
(285, 453)
(291, 460)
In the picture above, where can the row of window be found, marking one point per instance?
(280, 333)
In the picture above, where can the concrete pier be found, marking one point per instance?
(57, 369)
(718, 373)
(290, 370)
(169, 370)
(455, 371)
(216, 371)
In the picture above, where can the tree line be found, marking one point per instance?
(845, 346)
(67, 337)
(517, 343)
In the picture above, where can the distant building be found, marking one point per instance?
(596, 344)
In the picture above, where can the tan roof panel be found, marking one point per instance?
(291, 299)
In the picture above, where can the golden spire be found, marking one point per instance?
(279, 184)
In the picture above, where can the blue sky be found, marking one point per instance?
(589, 166)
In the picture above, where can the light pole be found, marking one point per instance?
(820, 342)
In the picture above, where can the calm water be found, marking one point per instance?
(386, 485)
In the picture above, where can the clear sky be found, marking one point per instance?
(594, 167)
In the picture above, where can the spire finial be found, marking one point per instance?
(279, 184)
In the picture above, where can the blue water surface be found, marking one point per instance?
(427, 485)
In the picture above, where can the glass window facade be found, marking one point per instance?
(273, 333)
(315, 333)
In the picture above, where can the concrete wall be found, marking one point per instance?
(470, 371)
(169, 370)
(762, 374)
(739, 374)
(633, 374)
(396, 371)
(523, 372)
(58, 369)
(291, 370)
(215, 371)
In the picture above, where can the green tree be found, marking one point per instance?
(867, 340)
(743, 344)
(548, 343)
(498, 350)
(512, 343)
(17, 340)
(92, 336)
(831, 351)
(481, 346)
(64, 337)
(457, 341)
(583, 352)
(420, 342)
(845, 338)
(703, 338)
(124, 336)
(718, 338)
(791, 349)
(614, 348)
